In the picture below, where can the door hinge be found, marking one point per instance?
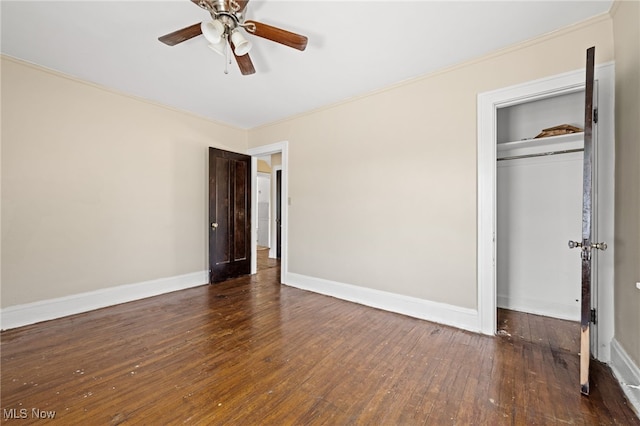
(595, 115)
(593, 316)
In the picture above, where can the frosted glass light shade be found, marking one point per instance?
(242, 46)
(212, 31)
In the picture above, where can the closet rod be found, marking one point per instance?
(541, 154)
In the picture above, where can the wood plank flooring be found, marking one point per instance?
(251, 351)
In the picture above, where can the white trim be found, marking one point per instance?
(604, 198)
(488, 103)
(627, 373)
(44, 310)
(274, 148)
(441, 313)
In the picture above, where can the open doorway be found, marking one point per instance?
(275, 216)
(265, 203)
(539, 205)
(490, 105)
(269, 196)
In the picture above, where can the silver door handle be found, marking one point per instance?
(214, 225)
(599, 246)
(574, 244)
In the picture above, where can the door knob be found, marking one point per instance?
(574, 244)
(599, 246)
(214, 225)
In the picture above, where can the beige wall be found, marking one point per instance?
(263, 167)
(276, 159)
(383, 188)
(626, 24)
(98, 189)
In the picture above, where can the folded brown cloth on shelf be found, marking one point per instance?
(563, 129)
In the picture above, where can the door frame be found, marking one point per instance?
(274, 148)
(488, 104)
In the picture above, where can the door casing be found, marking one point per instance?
(488, 103)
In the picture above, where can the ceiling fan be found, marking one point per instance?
(224, 35)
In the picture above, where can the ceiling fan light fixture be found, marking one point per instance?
(242, 46)
(212, 31)
(223, 35)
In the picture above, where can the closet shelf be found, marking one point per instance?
(527, 147)
(551, 141)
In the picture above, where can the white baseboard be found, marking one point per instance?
(538, 307)
(44, 310)
(627, 373)
(441, 313)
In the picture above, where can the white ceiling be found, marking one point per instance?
(355, 47)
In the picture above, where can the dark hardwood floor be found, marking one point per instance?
(250, 351)
(264, 262)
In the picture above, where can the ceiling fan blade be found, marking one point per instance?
(278, 35)
(244, 62)
(179, 36)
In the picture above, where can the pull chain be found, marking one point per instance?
(227, 57)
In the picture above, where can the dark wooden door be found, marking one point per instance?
(586, 244)
(278, 214)
(229, 215)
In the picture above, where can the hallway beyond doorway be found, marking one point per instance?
(264, 261)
